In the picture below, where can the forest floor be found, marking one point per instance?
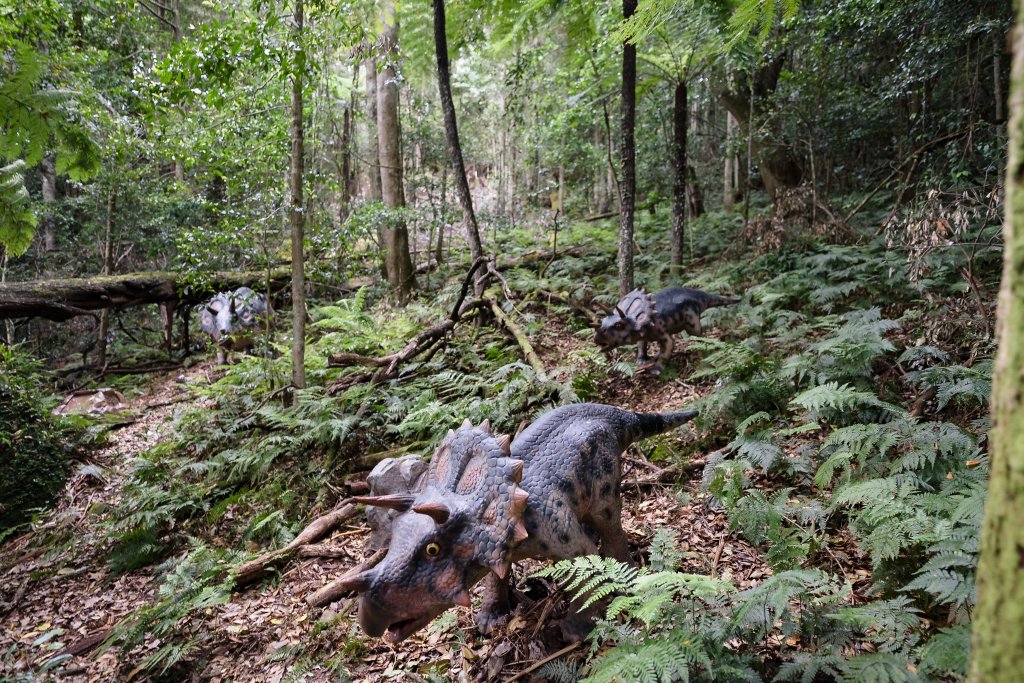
(57, 595)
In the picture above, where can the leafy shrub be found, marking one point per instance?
(35, 447)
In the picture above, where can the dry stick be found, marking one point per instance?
(718, 556)
(335, 589)
(321, 526)
(422, 342)
(524, 344)
(541, 662)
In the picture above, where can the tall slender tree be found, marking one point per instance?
(627, 188)
(997, 641)
(396, 236)
(296, 209)
(451, 133)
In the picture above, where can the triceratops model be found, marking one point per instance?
(229, 317)
(486, 502)
(641, 318)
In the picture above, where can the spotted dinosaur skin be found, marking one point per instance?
(640, 318)
(487, 501)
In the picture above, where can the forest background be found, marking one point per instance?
(838, 165)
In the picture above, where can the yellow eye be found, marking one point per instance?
(433, 549)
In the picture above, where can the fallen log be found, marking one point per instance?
(60, 300)
(524, 343)
(337, 588)
(424, 341)
(256, 569)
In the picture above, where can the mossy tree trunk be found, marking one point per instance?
(997, 648)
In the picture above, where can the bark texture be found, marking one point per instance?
(370, 70)
(296, 215)
(627, 188)
(997, 640)
(451, 133)
(60, 300)
(397, 259)
(680, 121)
(778, 165)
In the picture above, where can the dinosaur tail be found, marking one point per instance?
(716, 300)
(649, 424)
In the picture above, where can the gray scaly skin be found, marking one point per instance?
(487, 502)
(228, 317)
(641, 318)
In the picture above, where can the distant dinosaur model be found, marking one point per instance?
(229, 318)
(640, 318)
(487, 501)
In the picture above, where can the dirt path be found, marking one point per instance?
(55, 589)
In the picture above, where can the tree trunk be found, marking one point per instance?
(729, 172)
(627, 189)
(451, 133)
(297, 206)
(346, 165)
(680, 118)
(49, 173)
(779, 167)
(60, 300)
(373, 142)
(396, 237)
(108, 263)
(997, 640)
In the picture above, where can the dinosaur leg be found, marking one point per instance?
(495, 607)
(641, 355)
(666, 352)
(607, 522)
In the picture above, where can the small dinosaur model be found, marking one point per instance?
(487, 501)
(640, 318)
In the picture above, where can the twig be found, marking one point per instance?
(717, 557)
(256, 569)
(541, 662)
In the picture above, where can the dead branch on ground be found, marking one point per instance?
(320, 527)
(335, 589)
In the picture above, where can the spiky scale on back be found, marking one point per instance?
(640, 318)
(485, 503)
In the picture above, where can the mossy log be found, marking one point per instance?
(63, 299)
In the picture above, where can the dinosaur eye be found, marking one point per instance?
(433, 549)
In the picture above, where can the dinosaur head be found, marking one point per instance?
(462, 523)
(625, 324)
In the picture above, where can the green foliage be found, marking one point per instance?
(189, 585)
(35, 447)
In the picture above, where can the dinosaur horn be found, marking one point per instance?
(602, 307)
(438, 512)
(393, 501)
(357, 583)
(517, 472)
(467, 423)
(499, 567)
(619, 311)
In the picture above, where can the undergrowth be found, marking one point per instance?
(846, 430)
